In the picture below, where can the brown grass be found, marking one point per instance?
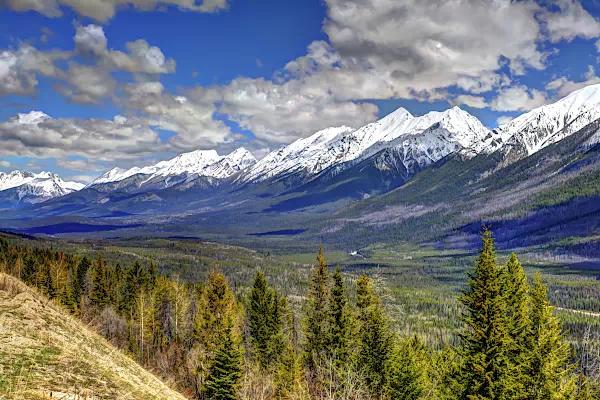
(44, 351)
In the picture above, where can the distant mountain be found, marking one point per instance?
(539, 128)
(422, 140)
(182, 169)
(23, 187)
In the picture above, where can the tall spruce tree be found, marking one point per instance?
(99, 285)
(516, 292)
(45, 282)
(129, 291)
(225, 374)
(316, 314)
(260, 310)
(404, 371)
(338, 336)
(375, 341)
(79, 282)
(216, 320)
(487, 370)
(30, 270)
(550, 369)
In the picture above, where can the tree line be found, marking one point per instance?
(211, 343)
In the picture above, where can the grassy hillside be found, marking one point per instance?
(45, 352)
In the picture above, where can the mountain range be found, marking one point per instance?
(338, 174)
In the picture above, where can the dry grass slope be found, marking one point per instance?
(44, 351)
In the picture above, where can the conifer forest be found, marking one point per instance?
(212, 338)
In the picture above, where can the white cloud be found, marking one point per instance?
(78, 165)
(505, 119)
(421, 47)
(570, 21)
(563, 86)
(281, 113)
(87, 84)
(518, 98)
(85, 179)
(468, 100)
(141, 56)
(5, 164)
(103, 10)
(98, 140)
(19, 68)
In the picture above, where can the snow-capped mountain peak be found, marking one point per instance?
(433, 135)
(34, 188)
(206, 163)
(548, 124)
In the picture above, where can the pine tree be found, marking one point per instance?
(99, 285)
(375, 341)
(79, 282)
(485, 339)
(260, 308)
(404, 372)
(550, 370)
(129, 291)
(45, 282)
(516, 293)
(339, 330)
(29, 271)
(226, 371)
(216, 320)
(316, 315)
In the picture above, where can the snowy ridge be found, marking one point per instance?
(423, 139)
(37, 187)
(548, 124)
(196, 163)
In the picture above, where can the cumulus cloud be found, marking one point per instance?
(19, 68)
(468, 100)
(141, 56)
(86, 84)
(518, 98)
(78, 165)
(423, 46)
(98, 140)
(571, 20)
(5, 164)
(190, 115)
(103, 10)
(563, 86)
(505, 119)
(281, 113)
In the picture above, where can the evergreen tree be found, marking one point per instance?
(216, 320)
(129, 290)
(45, 282)
(338, 337)
(404, 372)
(260, 309)
(29, 271)
(99, 285)
(226, 371)
(550, 371)
(375, 336)
(316, 314)
(486, 342)
(79, 282)
(516, 293)
(151, 276)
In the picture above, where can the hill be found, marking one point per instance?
(45, 352)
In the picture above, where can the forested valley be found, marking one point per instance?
(212, 341)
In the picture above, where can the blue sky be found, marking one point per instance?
(182, 76)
